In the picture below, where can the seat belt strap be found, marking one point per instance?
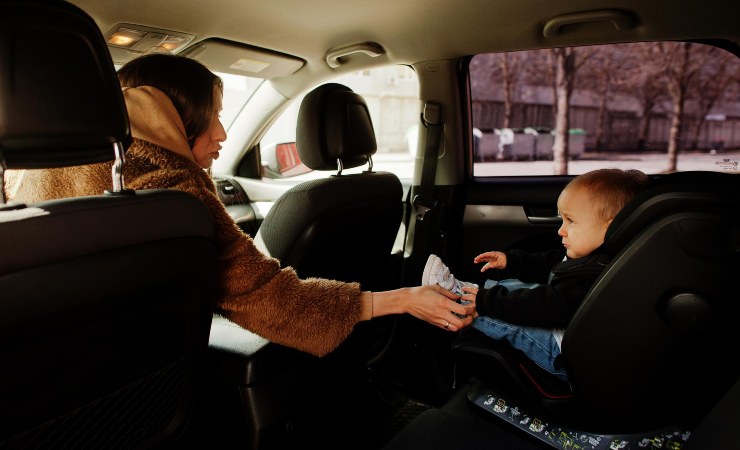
(431, 118)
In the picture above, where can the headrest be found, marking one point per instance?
(60, 99)
(673, 193)
(334, 123)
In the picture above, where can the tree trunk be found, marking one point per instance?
(675, 134)
(564, 72)
(678, 87)
(601, 118)
(507, 90)
(697, 132)
(642, 133)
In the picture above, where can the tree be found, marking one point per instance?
(602, 75)
(717, 71)
(679, 73)
(564, 71)
(566, 66)
(646, 83)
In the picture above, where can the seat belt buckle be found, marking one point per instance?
(422, 209)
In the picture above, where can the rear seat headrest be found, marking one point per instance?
(60, 99)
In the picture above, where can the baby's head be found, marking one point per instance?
(590, 202)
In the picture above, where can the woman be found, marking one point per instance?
(173, 104)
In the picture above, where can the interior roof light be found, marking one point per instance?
(141, 39)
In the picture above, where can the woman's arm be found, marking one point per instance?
(432, 304)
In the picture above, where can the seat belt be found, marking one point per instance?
(427, 208)
(431, 118)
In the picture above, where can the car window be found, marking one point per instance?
(659, 107)
(392, 96)
(237, 90)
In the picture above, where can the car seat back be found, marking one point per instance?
(651, 343)
(656, 329)
(341, 227)
(105, 301)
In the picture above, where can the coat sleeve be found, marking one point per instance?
(545, 306)
(313, 315)
(531, 267)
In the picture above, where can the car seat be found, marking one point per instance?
(341, 227)
(105, 301)
(652, 344)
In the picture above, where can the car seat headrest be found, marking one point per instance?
(65, 108)
(334, 124)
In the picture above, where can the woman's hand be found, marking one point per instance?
(435, 305)
(493, 260)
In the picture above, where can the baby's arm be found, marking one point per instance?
(493, 260)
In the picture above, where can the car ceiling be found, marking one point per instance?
(414, 31)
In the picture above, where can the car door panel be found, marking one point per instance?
(505, 213)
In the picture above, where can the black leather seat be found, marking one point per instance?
(653, 343)
(105, 301)
(341, 227)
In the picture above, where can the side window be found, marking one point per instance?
(659, 107)
(392, 96)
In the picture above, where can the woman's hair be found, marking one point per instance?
(610, 189)
(188, 83)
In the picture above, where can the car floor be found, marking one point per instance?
(380, 418)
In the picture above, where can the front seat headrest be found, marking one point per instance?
(334, 124)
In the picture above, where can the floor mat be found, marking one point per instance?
(397, 420)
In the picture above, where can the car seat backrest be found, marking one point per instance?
(344, 226)
(656, 328)
(105, 301)
(57, 109)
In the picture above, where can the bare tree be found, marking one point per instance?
(717, 70)
(645, 81)
(511, 75)
(564, 72)
(566, 66)
(603, 74)
(679, 72)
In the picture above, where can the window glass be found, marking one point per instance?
(659, 107)
(237, 90)
(392, 97)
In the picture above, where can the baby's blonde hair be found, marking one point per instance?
(610, 189)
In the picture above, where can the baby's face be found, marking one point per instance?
(582, 229)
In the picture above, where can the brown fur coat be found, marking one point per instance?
(312, 315)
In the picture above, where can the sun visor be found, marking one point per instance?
(225, 56)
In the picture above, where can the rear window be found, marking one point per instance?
(659, 107)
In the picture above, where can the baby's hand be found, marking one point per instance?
(493, 260)
(468, 298)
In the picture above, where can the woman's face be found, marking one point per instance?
(208, 144)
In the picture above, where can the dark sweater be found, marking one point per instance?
(563, 286)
